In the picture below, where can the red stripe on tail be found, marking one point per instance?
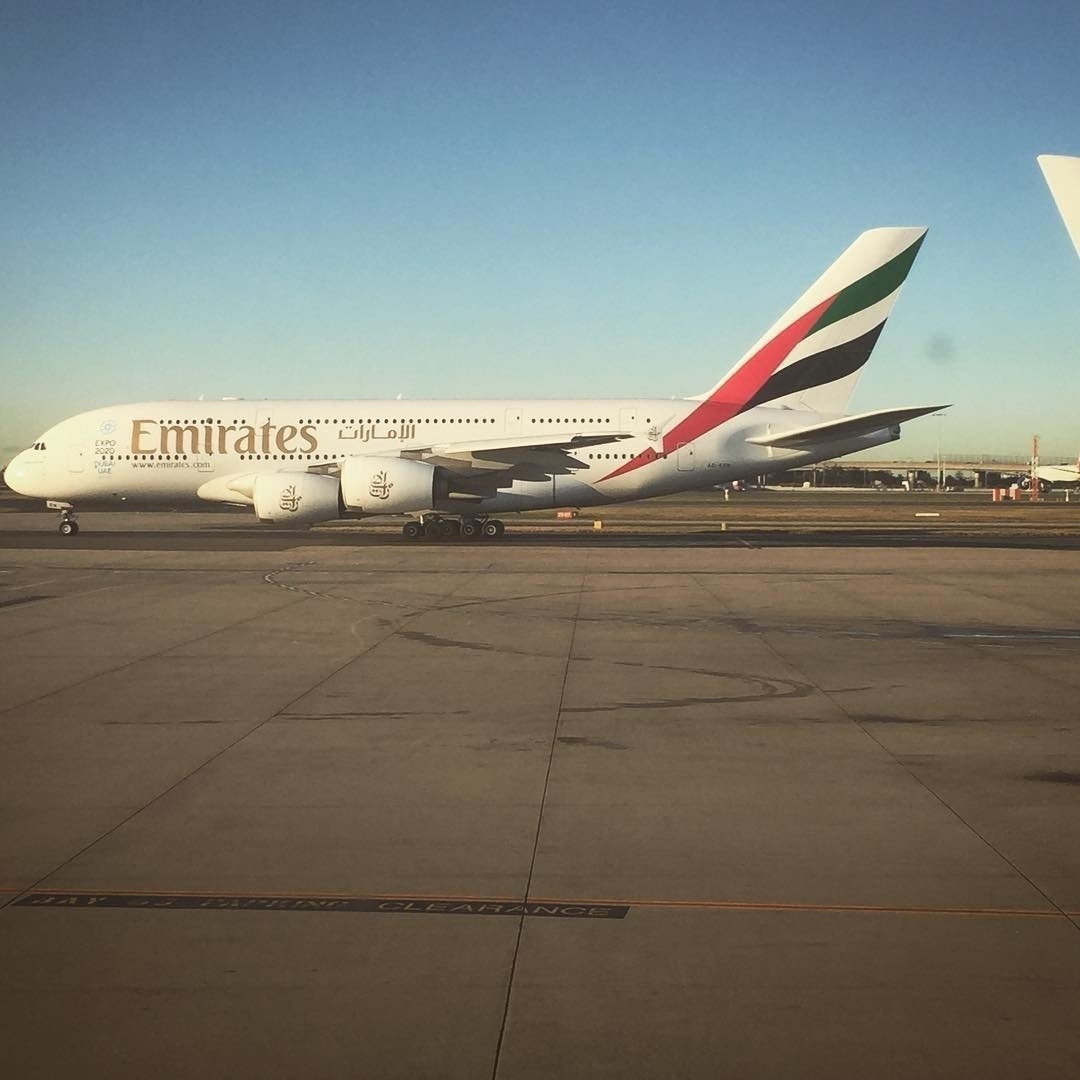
(730, 397)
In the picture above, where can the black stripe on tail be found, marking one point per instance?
(820, 368)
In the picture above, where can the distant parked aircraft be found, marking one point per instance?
(452, 465)
(1059, 474)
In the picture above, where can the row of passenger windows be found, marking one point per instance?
(243, 457)
(405, 420)
(574, 420)
(283, 457)
(349, 420)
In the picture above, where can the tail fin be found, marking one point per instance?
(1063, 178)
(813, 355)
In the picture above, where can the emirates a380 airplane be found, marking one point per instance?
(451, 465)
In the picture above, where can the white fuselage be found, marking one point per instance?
(165, 451)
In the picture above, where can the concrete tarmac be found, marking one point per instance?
(291, 808)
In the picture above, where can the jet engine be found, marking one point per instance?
(375, 485)
(297, 497)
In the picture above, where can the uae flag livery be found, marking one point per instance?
(811, 357)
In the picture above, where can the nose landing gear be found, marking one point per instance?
(69, 526)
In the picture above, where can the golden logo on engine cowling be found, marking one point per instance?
(290, 501)
(380, 486)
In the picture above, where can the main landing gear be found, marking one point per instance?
(437, 527)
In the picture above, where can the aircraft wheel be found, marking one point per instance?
(491, 529)
(69, 528)
(412, 530)
(501, 529)
(470, 529)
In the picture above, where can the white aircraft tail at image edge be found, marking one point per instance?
(1062, 176)
(451, 464)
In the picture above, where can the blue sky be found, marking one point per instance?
(438, 199)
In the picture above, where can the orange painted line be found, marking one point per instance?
(868, 909)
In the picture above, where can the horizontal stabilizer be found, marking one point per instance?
(847, 427)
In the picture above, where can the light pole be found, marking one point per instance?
(940, 471)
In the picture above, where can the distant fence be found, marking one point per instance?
(952, 462)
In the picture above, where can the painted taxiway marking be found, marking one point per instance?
(1015, 635)
(448, 904)
(395, 905)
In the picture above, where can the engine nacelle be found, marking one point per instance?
(376, 485)
(297, 497)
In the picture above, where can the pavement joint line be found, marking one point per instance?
(149, 656)
(862, 726)
(1009, 657)
(539, 821)
(293, 601)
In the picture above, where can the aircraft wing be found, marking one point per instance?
(480, 467)
(552, 453)
(846, 427)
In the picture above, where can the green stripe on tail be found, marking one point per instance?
(872, 289)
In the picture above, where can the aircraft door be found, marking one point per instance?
(685, 457)
(513, 421)
(628, 419)
(76, 458)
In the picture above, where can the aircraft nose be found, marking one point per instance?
(25, 477)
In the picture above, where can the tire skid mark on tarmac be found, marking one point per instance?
(883, 630)
(759, 687)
